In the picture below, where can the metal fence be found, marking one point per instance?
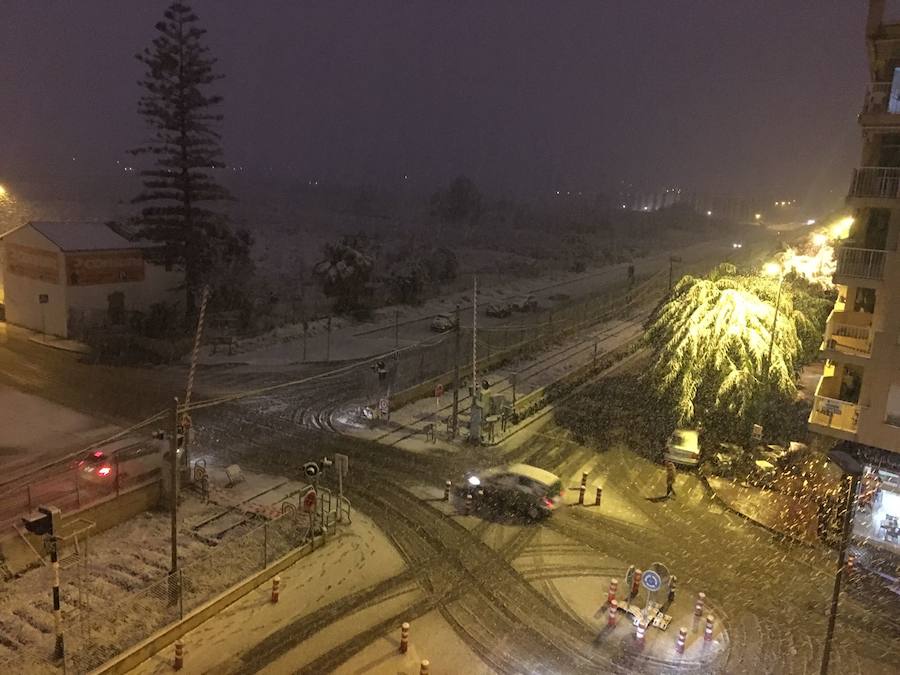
(99, 633)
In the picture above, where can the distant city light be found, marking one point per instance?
(709, 213)
(811, 221)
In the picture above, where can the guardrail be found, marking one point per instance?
(876, 181)
(835, 414)
(879, 99)
(862, 263)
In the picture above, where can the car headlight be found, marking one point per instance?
(474, 480)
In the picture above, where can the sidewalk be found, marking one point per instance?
(773, 510)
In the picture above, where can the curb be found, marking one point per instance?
(771, 530)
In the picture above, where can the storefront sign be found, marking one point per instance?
(34, 263)
(104, 267)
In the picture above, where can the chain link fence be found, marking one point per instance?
(98, 634)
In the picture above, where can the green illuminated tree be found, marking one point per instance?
(711, 341)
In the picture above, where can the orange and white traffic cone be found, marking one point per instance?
(404, 637)
(639, 636)
(682, 638)
(708, 633)
(613, 589)
(276, 583)
(178, 664)
(613, 614)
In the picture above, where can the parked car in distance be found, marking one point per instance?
(525, 303)
(498, 309)
(521, 488)
(683, 447)
(443, 323)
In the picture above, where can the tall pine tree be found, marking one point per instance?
(184, 146)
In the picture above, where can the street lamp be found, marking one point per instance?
(852, 470)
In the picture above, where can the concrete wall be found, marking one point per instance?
(105, 514)
(21, 293)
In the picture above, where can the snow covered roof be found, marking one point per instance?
(74, 236)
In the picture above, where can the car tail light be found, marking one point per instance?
(98, 454)
(104, 471)
(548, 501)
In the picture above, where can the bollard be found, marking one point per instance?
(679, 643)
(276, 582)
(639, 635)
(423, 669)
(179, 655)
(611, 592)
(636, 582)
(447, 486)
(599, 494)
(613, 614)
(582, 488)
(468, 504)
(698, 607)
(708, 633)
(404, 637)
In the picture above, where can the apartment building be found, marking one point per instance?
(858, 396)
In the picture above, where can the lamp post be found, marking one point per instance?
(852, 471)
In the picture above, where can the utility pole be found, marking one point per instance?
(474, 337)
(852, 471)
(396, 328)
(198, 336)
(456, 354)
(173, 503)
(328, 341)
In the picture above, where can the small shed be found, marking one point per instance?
(62, 277)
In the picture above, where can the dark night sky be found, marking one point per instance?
(742, 96)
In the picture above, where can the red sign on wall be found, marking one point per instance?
(104, 267)
(34, 263)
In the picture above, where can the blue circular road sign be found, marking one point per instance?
(651, 581)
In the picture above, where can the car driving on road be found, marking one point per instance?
(521, 488)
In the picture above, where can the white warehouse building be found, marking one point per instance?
(61, 278)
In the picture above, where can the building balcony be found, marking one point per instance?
(834, 415)
(876, 182)
(855, 263)
(831, 414)
(880, 105)
(849, 334)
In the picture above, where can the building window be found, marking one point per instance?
(864, 300)
(892, 410)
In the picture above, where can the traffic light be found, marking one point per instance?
(45, 521)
